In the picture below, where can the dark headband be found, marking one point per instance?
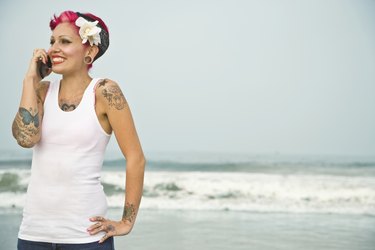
(104, 36)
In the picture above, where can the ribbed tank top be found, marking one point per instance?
(64, 189)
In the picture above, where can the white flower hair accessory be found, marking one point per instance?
(89, 31)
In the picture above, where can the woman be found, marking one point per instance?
(68, 123)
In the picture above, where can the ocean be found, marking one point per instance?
(227, 201)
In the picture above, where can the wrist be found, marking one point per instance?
(127, 225)
(126, 222)
(31, 79)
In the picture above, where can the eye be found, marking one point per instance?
(51, 42)
(65, 41)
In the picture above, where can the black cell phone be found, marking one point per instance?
(44, 68)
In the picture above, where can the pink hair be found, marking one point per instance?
(69, 16)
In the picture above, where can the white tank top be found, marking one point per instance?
(64, 189)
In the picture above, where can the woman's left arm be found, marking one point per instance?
(119, 119)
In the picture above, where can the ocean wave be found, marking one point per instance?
(243, 165)
(261, 192)
(8, 163)
(295, 166)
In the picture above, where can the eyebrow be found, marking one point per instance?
(62, 36)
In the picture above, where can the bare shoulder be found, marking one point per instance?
(41, 90)
(109, 93)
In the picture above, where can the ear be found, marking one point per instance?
(92, 51)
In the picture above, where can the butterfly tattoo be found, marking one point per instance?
(28, 118)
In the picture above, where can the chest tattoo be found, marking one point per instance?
(67, 105)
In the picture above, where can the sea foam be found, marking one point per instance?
(255, 186)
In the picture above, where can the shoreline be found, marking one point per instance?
(187, 229)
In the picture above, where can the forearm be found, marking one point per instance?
(134, 188)
(26, 124)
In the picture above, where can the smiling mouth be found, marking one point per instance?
(57, 60)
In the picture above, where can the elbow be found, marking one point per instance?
(136, 162)
(142, 161)
(25, 138)
(25, 144)
(21, 137)
(24, 141)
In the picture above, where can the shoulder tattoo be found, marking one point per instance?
(113, 94)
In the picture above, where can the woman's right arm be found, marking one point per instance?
(26, 126)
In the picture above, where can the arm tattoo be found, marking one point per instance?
(38, 94)
(114, 95)
(28, 118)
(25, 127)
(129, 212)
(111, 228)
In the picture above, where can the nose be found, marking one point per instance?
(54, 48)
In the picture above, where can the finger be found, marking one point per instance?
(105, 237)
(96, 225)
(97, 218)
(40, 55)
(39, 50)
(97, 230)
(41, 58)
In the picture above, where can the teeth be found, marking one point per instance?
(57, 59)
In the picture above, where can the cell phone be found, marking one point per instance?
(44, 68)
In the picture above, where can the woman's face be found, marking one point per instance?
(67, 51)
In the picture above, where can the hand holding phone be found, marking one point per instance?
(43, 69)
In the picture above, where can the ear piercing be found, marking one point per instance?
(88, 59)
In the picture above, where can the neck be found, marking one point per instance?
(75, 83)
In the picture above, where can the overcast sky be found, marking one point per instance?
(282, 76)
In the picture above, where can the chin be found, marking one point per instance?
(58, 70)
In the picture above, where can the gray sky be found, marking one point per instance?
(286, 76)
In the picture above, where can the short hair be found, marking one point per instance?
(69, 16)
